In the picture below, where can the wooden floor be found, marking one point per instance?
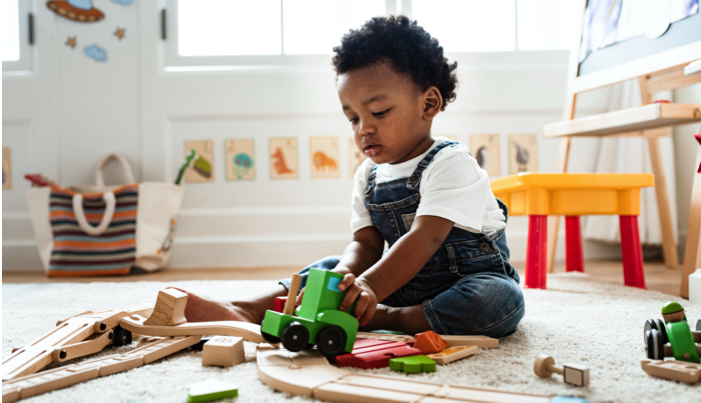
(657, 276)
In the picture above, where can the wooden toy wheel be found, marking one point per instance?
(654, 345)
(542, 362)
(121, 337)
(294, 337)
(268, 337)
(657, 324)
(331, 341)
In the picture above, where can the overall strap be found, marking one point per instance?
(415, 177)
(371, 180)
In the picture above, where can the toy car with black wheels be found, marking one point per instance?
(317, 321)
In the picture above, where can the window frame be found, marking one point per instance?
(26, 52)
(173, 62)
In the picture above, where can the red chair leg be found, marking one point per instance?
(536, 261)
(633, 273)
(574, 261)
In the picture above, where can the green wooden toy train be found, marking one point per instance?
(317, 321)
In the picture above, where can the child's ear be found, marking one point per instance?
(432, 102)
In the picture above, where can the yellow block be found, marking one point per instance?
(571, 194)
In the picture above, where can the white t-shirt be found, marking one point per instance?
(453, 186)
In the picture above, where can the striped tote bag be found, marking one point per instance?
(104, 232)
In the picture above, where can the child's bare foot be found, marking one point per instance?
(202, 309)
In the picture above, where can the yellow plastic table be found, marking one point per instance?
(538, 195)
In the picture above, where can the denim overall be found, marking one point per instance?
(467, 287)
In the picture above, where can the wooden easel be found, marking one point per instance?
(657, 72)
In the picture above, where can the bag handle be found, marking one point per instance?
(126, 168)
(110, 202)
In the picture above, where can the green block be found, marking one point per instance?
(211, 390)
(413, 365)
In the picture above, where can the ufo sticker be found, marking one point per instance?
(76, 10)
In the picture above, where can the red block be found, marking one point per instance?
(280, 304)
(372, 353)
(430, 342)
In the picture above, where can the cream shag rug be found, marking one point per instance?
(577, 320)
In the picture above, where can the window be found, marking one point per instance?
(16, 51)
(288, 32)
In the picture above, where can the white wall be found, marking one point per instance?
(70, 111)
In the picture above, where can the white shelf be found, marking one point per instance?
(645, 117)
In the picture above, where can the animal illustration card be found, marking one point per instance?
(485, 149)
(201, 166)
(6, 168)
(284, 162)
(355, 157)
(325, 155)
(523, 153)
(239, 160)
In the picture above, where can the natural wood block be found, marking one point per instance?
(169, 309)
(223, 352)
(479, 341)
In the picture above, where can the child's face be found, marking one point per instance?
(387, 112)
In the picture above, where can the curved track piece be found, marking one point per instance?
(245, 330)
(308, 373)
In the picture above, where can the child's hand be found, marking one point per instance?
(361, 294)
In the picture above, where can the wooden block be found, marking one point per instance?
(681, 371)
(211, 390)
(223, 352)
(430, 342)
(451, 354)
(479, 341)
(389, 337)
(169, 309)
(249, 331)
(413, 364)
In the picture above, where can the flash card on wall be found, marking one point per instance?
(485, 149)
(355, 157)
(201, 167)
(325, 155)
(523, 153)
(283, 158)
(6, 168)
(239, 160)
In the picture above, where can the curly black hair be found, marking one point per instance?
(409, 49)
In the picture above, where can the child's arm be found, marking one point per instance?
(363, 252)
(399, 265)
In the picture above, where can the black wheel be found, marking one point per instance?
(294, 337)
(269, 337)
(655, 346)
(657, 324)
(121, 337)
(330, 341)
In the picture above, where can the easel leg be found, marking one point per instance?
(671, 256)
(692, 254)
